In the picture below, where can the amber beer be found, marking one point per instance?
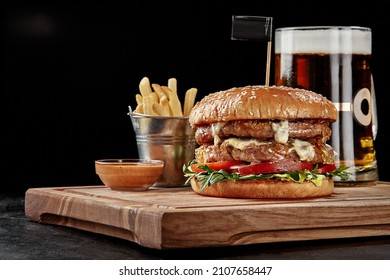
(335, 62)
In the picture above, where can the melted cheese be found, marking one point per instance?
(215, 128)
(241, 144)
(304, 149)
(280, 132)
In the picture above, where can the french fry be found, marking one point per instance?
(155, 99)
(148, 105)
(172, 84)
(144, 86)
(154, 96)
(157, 88)
(189, 100)
(160, 110)
(140, 108)
(157, 109)
(165, 105)
(140, 105)
(138, 98)
(173, 101)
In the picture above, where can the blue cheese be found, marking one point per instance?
(304, 149)
(280, 131)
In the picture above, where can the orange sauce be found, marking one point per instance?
(124, 175)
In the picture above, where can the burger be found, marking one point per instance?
(263, 142)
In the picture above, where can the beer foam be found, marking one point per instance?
(351, 40)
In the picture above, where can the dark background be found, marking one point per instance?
(71, 70)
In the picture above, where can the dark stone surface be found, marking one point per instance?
(23, 239)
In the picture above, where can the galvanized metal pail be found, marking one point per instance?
(170, 139)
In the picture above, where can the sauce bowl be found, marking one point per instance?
(129, 174)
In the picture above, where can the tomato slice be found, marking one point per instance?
(325, 168)
(273, 167)
(225, 165)
(262, 168)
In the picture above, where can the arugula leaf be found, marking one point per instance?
(209, 176)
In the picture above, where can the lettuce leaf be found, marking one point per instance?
(209, 176)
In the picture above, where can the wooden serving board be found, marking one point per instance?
(178, 218)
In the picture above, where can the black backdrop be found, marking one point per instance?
(70, 72)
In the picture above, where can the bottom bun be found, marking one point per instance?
(264, 189)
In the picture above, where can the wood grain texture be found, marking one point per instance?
(164, 218)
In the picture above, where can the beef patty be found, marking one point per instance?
(262, 130)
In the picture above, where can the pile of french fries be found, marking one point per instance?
(157, 100)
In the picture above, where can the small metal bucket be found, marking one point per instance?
(170, 139)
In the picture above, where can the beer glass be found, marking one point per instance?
(335, 61)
